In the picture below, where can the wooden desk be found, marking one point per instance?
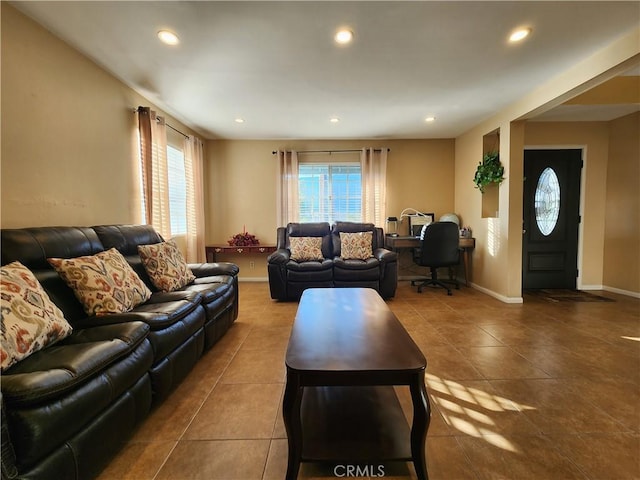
(213, 250)
(467, 244)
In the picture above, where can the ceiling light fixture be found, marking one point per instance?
(239, 120)
(167, 37)
(430, 119)
(519, 34)
(343, 36)
(334, 120)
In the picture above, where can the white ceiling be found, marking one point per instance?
(275, 65)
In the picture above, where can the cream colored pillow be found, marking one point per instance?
(30, 320)
(165, 266)
(104, 283)
(356, 245)
(305, 249)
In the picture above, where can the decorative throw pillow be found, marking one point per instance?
(104, 283)
(356, 245)
(305, 249)
(30, 320)
(165, 266)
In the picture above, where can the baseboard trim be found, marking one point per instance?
(621, 292)
(491, 293)
(496, 295)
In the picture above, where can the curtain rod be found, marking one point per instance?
(166, 124)
(176, 130)
(335, 151)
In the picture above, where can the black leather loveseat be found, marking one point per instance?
(68, 408)
(288, 277)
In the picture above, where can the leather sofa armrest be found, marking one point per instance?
(385, 256)
(280, 257)
(213, 269)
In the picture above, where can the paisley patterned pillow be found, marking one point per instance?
(30, 320)
(165, 266)
(356, 245)
(104, 283)
(306, 249)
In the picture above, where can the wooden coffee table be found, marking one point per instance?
(346, 352)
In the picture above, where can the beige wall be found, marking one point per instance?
(622, 207)
(68, 133)
(241, 184)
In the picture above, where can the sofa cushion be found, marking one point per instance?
(30, 320)
(165, 266)
(356, 270)
(104, 283)
(356, 245)
(65, 365)
(306, 249)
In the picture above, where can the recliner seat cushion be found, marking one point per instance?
(354, 270)
(310, 271)
(171, 323)
(62, 367)
(57, 392)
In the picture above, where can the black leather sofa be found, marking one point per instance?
(67, 409)
(288, 278)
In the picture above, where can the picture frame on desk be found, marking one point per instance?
(419, 220)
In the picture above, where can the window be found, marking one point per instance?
(547, 201)
(330, 192)
(177, 190)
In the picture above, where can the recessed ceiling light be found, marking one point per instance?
(334, 119)
(343, 36)
(430, 119)
(168, 37)
(519, 34)
(239, 120)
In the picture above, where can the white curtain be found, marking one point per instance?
(155, 179)
(287, 193)
(373, 165)
(193, 166)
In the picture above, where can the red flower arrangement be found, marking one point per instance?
(243, 239)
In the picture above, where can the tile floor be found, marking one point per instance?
(532, 391)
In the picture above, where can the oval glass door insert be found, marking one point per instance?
(547, 201)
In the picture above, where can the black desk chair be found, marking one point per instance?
(439, 248)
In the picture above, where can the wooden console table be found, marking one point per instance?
(466, 244)
(213, 250)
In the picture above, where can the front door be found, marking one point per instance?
(551, 215)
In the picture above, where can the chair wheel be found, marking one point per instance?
(449, 292)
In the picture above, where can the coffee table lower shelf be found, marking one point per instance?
(353, 424)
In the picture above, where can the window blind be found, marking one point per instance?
(177, 190)
(330, 192)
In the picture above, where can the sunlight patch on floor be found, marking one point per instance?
(463, 410)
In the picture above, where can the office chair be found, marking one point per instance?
(439, 248)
